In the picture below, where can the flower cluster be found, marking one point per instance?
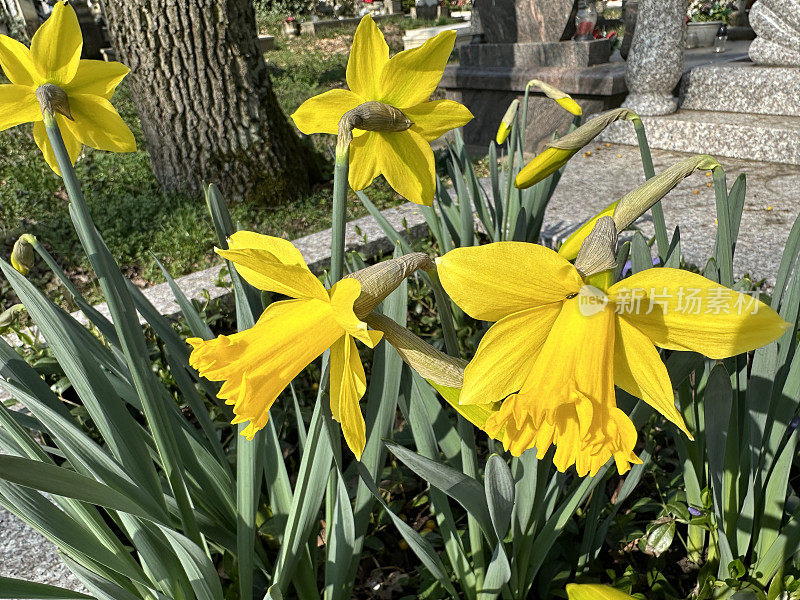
(705, 10)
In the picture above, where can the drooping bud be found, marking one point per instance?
(634, 204)
(559, 151)
(53, 100)
(569, 249)
(599, 250)
(370, 116)
(22, 254)
(578, 138)
(426, 360)
(380, 280)
(564, 100)
(507, 122)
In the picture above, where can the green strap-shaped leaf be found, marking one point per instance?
(28, 590)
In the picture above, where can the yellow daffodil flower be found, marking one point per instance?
(593, 591)
(405, 82)
(54, 58)
(558, 347)
(257, 364)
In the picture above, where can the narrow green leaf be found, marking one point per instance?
(28, 590)
(499, 486)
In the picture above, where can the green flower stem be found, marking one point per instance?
(339, 211)
(660, 225)
(132, 340)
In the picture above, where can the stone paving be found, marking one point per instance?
(589, 183)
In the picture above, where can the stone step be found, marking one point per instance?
(767, 138)
(742, 87)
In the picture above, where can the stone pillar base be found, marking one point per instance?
(651, 104)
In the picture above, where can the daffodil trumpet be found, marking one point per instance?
(558, 152)
(51, 76)
(402, 84)
(558, 346)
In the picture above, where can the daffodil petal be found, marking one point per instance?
(321, 114)
(284, 250)
(56, 46)
(592, 591)
(17, 62)
(348, 384)
(433, 119)
(368, 57)
(72, 144)
(267, 265)
(98, 124)
(258, 363)
(679, 310)
(364, 155)
(406, 161)
(411, 76)
(97, 77)
(496, 280)
(19, 106)
(639, 370)
(506, 355)
(343, 294)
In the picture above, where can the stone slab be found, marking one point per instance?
(317, 27)
(743, 87)
(266, 42)
(536, 54)
(509, 21)
(777, 25)
(766, 138)
(414, 38)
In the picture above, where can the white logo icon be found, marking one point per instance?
(591, 300)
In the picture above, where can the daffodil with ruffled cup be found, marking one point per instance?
(258, 363)
(404, 83)
(558, 347)
(83, 89)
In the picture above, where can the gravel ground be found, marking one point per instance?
(24, 554)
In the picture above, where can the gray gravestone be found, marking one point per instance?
(655, 63)
(510, 21)
(777, 25)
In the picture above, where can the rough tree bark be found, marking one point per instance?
(205, 100)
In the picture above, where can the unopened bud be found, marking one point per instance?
(53, 100)
(432, 364)
(380, 280)
(564, 100)
(599, 250)
(507, 122)
(634, 204)
(371, 116)
(22, 254)
(572, 245)
(578, 138)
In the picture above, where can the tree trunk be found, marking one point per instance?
(205, 100)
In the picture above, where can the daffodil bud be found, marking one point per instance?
(634, 204)
(7, 316)
(380, 280)
(432, 364)
(507, 122)
(599, 250)
(371, 116)
(569, 249)
(564, 100)
(53, 100)
(578, 138)
(22, 254)
(542, 165)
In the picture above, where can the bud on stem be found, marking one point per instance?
(426, 360)
(634, 204)
(599, 250)
(380, 280)
(22, 255)
(507, 122)
(578, 138)
(564, 100)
